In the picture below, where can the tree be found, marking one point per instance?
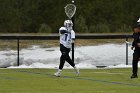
(81, 25)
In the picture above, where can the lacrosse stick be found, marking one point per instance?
(70, 10)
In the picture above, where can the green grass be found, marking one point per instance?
(89, 81)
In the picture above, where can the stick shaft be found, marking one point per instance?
(73, 52)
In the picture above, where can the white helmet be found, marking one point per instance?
(138, 20)
(68, 23)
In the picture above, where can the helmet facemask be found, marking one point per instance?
(68, 24)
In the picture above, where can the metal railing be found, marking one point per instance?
(56, 37)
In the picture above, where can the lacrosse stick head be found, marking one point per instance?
(70, 10)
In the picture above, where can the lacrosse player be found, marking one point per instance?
(67, 37)
(136, 47)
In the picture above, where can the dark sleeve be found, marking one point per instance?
(135, 36)
(133, 43)
(63, 31)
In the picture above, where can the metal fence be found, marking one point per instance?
(56, 37)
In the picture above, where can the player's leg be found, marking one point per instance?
(135, 65)
(62, 60)
(69, 60)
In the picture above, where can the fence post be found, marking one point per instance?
(126, 50)
(17, 51)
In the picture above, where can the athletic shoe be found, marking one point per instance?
(77, 71)
(58, 73)
(134, 76)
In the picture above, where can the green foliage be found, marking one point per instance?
(100, 28)
(91, 15)
(81, 25)
(45, 29)
(124, 28)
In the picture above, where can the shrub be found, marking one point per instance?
(100, 28)
(45, 29)
(81, 25)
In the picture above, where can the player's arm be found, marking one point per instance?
(63, 31)
(135, 41)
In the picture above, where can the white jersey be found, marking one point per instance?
(66, 36)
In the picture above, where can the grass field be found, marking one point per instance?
(89, 81)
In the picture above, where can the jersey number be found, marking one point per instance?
(66, 35)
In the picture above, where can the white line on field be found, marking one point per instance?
(107, 73)
(99, 72)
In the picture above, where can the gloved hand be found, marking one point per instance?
(132, 47)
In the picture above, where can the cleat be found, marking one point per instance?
(77, 71)
(134, 76)
(58, 73)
